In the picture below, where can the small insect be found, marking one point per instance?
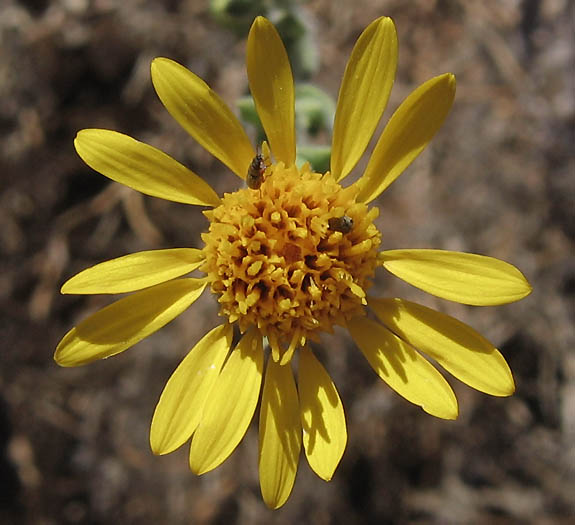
(340, 224)
(257, 168)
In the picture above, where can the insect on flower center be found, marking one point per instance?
(292, 255)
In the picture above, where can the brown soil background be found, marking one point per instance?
(499, 179)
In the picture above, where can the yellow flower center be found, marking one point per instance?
(293, 257)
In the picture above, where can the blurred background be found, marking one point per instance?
(498, 179)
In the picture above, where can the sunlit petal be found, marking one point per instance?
(461, 277)
(271, 84)
(404, 369)
(127, 321)
(135, 271)
(322, 416)
(202, 114)
(230, 406)
(363, 95)
(179, 409)
(280, 434)
(407, 133)
(142, 167)
(454, 345)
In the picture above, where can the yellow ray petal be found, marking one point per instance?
(179, 409)
(142, 167)
(280, 434)
(406, 134)
(135, 271)
(127, 321)
(454, 345)
(363, 95)
(403, 369)
(322, 417)
(202, 114)
(230, 406)
(271, 84)
(461, 277)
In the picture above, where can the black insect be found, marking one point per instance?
(256, 172)
(340, 224)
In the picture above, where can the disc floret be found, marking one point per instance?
(275, 263)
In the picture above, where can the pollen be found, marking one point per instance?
(275, 263)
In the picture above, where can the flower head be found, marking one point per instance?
(288, 257)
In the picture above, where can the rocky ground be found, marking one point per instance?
(498, 180)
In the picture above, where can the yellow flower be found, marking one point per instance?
(289, 257)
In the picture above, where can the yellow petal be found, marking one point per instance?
(461, 277)
(271, 84)
(230, 406)
(280, 434)
(363, 95)
(322, 416)
(403, 369)
(127, 321)
(202, 114)
(142, 167)
(135, 271)
(454, 345)
(180, 406)
(407, 133)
